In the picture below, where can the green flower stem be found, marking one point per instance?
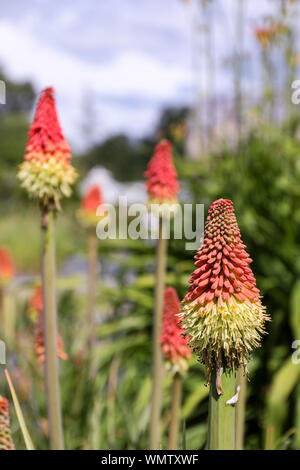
(161, 255)
(175, 412)
(221, 419)
(297, 418)
(111, 401)
(240, 409)
(92, 285)
(50, 332)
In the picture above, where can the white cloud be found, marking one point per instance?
(134, 55)
(130, 74)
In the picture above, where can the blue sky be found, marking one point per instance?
(118, 61)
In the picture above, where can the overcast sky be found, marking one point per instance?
(129, 57)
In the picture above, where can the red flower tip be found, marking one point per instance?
(87, 213)
(4, 404)
(46, 139)
(7, 270)
(162, 185)
(222, 264)
(174, 345)
(92, 199)
(6, 442)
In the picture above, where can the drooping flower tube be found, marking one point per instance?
(36, 312)
(162, 185)
(6, 442)
(265, 34)
(46, 173)
(174, 345)
(7, 270)
(222, 311)
(91, 201)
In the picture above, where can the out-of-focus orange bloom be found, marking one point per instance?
(36, 310)
(265, 34)
(7, 270)
(162, 184)
(174, 345)
(6, 442)
(91, 201)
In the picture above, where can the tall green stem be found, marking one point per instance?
(297, 418)
(175, 412)
(221, 420)
(154, 440)
(50, 332)
(92, 285)
(240, 409)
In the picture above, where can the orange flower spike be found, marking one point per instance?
(36, 308)
(265, 34)
(222, 311)
(46, 173)
(174, 345)
(6, 442)
(162, 185)
(7, 270)
(40, 343)
(92, 199)
(36, 302)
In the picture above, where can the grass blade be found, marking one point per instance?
(19, 413)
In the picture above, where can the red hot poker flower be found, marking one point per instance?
(265, 34)
(92, 199)
(46, 173)
(7, 270)
(46, 139)
(174, 345)
(222, 310)
(36, 301)
(6, 442)
(89, 205)
(162, 185)
(36, 309)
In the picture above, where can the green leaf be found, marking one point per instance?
(19, 413)
(282, 386)
(295, 310)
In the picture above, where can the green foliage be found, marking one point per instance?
(19, 96)
(14, 126)
(125, 158)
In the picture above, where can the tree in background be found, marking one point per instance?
(13, 130)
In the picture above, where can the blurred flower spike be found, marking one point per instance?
(265, 34)
(174, 345)
(92, 200)
(36, 313)
(222, 311)
(162, 184)
(7, 270)
(6, 442)
(46, 173)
